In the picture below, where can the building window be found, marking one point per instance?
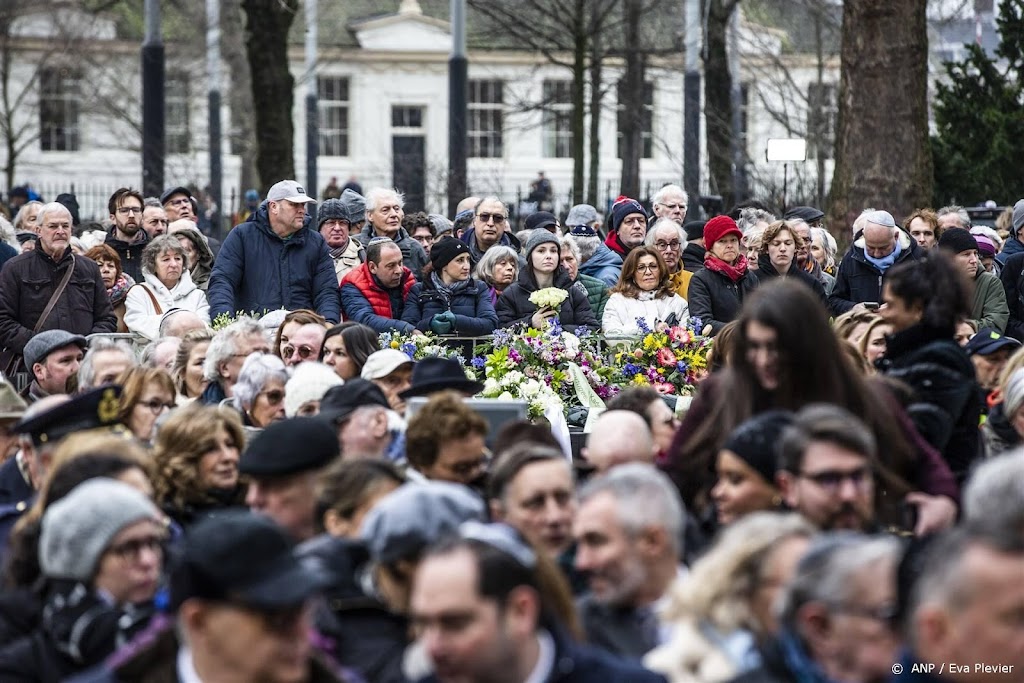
(485, 109)
(60, 91)
(176, 113)
(332, 104)
(822, 117)
(646, 124)
(557, 123)
(403, 116)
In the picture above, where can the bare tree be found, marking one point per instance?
(718, 95)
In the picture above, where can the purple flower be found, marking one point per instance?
(642, 324)
(479, 362)
(681, 366)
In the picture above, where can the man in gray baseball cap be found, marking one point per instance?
(53, 357)
(275, 261)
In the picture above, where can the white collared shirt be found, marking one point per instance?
(545, 659)
(186, 669)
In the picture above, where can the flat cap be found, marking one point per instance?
(45, 343)
(413, 516)
(181, 189)
(808, 214)
(340, 402)
(298, 444)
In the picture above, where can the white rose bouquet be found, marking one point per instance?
(549, 297)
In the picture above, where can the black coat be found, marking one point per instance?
(946, 407)
(693, 257)
(859, 281)
(28, 281)
(514, 303)
(366, 636)
(130, 253)
(766, 273)
(471, 304)
(614, 629)
(576, 663)
(716, 299)
(13, 487)
(1012, 277)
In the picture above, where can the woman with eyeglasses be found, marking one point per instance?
(147, 393)
(644, 294)
(196, 456)
(167, 285)
(260, 391)
(786, 357)
(100, 556)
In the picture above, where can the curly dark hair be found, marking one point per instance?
(444, 418)
(411, 221)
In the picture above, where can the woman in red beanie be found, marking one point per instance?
(717, 292)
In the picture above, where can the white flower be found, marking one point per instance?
(549, 297)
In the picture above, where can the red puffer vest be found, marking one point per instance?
(374, 293)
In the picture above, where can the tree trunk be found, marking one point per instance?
(243, 122)
(273, 88)
(883, 158)
(631, 92)
(596, 94)
(718, 97)
(579, 108)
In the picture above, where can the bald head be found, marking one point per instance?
(467, 203)
(619, 437)
(879, 240)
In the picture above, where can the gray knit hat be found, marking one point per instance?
(78, 528)
(350, 208)
(1018, 215)
(538, 238)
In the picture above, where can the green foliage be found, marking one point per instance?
(979, 127)
(225, 319)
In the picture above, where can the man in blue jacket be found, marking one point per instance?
(274, 260)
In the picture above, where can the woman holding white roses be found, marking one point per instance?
(543, 271)
(644, 292)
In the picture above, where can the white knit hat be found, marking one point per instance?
(309, 382)
(79, 527)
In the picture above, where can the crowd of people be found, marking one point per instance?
(238, 487)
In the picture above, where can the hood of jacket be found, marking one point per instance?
(202, 248)
(181, 290)
(603, 256)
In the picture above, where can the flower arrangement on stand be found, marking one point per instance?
(420, 346)
(543, 365)
(673, 360)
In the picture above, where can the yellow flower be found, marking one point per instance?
(395, 344)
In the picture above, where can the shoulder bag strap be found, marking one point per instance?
(152, 297)
(56, 295)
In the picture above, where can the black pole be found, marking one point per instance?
(213, 102)
(458, 69)
(691, 142)
(152, 103)
(312, 107)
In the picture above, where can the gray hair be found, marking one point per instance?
(52, 207)
(659, 196)
(151, 202)
(222, 346)
(665, 222)
(587, 245)
(158, 247)
(827, 570)
(828, 242)
(646, 498)
(258, 369)
(961, 213)
(751, 216)
(861, 220)
(87, 371)
(491, 198)
(19, 219)
(375, 193)
(499, 253)
(567, 243)
(149, 352)
(994, 495)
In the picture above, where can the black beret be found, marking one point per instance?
(808, 214)
(694, 229)
(290, 446)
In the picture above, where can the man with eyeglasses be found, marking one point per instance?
(178, 203)
(668, 237)
(670, 202)
(490, 228)
(275, 260)
(836, 616)
(127, 236)
(30, 280)
(385, 209)
(826, 469)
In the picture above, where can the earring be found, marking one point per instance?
(777, 500)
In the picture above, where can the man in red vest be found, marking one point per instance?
(374, 293)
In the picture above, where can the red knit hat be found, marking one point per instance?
(717, 228)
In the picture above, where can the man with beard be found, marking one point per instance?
(826, 472)
(628, 530)
(127, 237)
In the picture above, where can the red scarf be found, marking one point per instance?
(717, 265)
